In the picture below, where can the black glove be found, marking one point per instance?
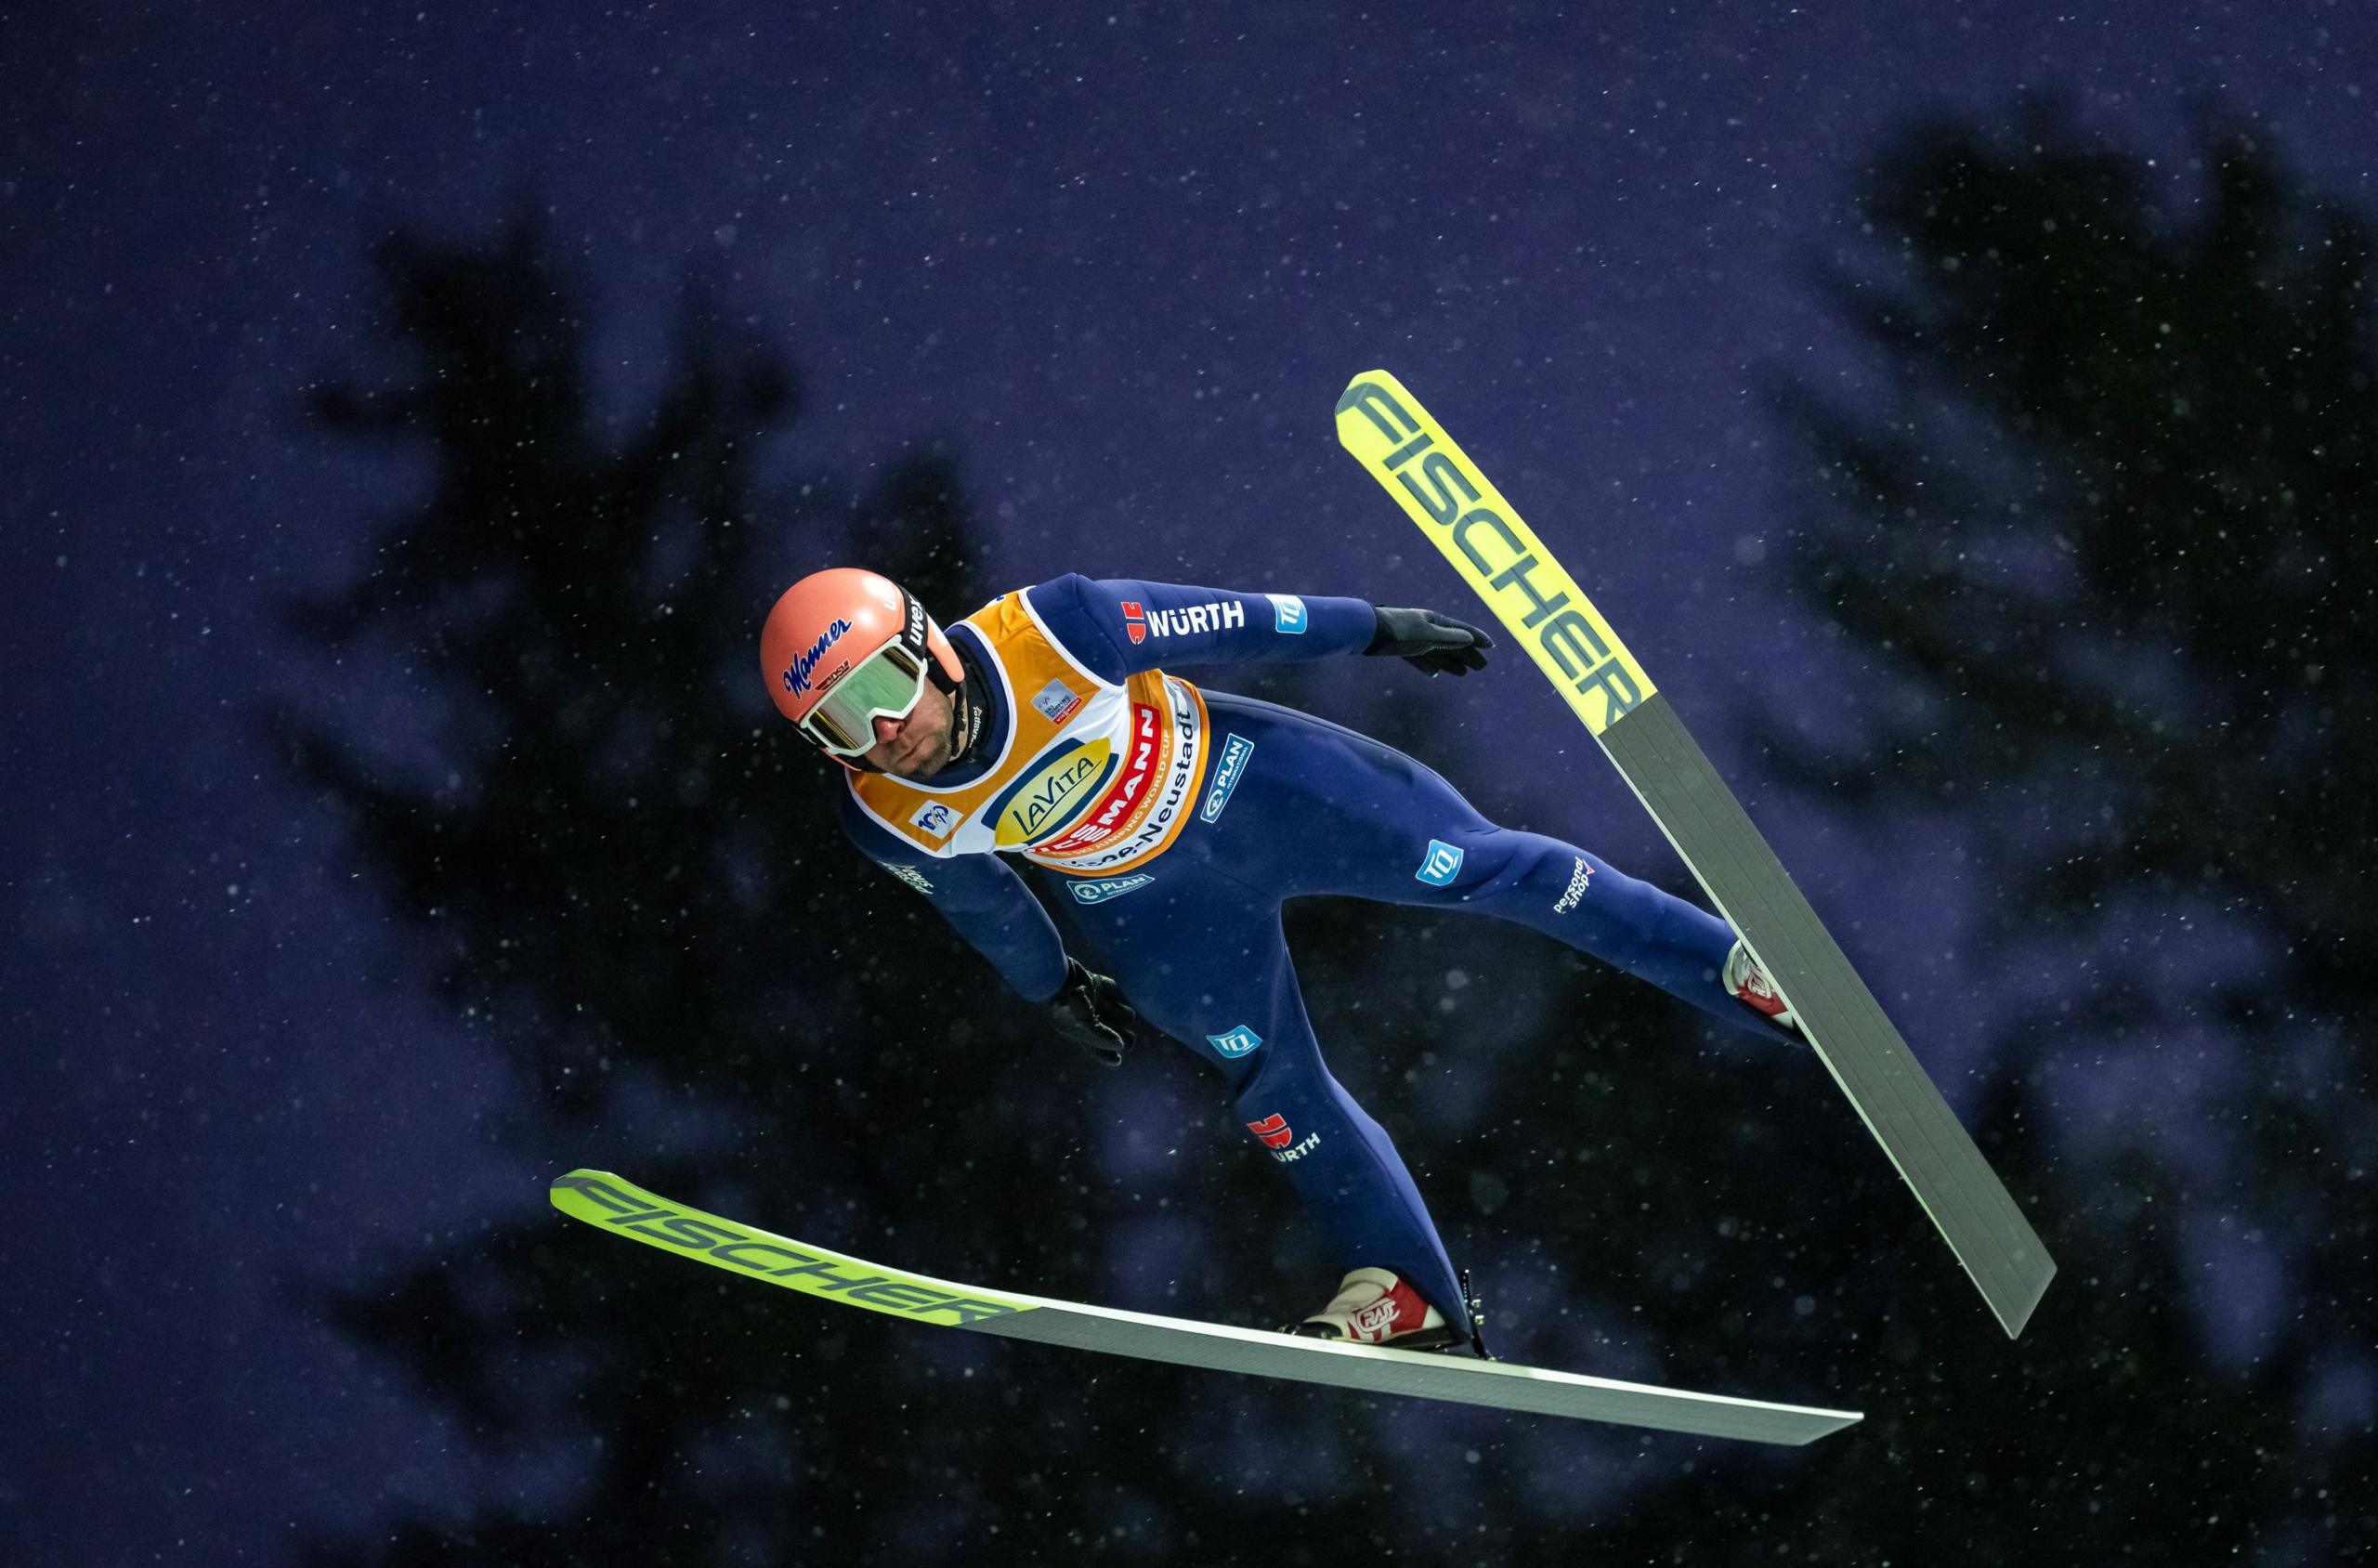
(1428, 641)
(1091, 1011)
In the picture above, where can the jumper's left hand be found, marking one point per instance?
(1089, 1011)
(1428, 641)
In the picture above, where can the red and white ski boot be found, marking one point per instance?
(1749, 982)
(1374, 1307)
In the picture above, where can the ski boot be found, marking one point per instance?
(1374, 1307)
(1750, 985)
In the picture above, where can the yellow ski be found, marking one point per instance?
(610, 1203)
(1408, 452)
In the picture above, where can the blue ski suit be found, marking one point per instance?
(1253, 804)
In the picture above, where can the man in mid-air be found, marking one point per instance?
(1180, 820)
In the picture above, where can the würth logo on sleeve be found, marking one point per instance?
(1135, 621)
(1214, 615)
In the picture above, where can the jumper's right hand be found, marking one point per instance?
(1091, 1011)
(1429, 641)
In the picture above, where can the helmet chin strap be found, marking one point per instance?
(965, 721)
(974, 711)
(956, 744)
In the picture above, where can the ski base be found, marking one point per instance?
(1838, 1015)
(611, 1203)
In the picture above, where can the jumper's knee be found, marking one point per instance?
(1499, 862)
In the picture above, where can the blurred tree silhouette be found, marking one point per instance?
(645, 902)
(2100, 553)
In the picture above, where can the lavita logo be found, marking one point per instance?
(1050, 791)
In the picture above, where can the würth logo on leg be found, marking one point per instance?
(1277, 1135)
(1135, 621)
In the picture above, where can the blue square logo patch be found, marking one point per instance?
(1288, 612)
(1443, 862)
(1238, 1043)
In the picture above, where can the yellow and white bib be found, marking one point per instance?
(1092, 776)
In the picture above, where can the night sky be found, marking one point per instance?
(1120, 260)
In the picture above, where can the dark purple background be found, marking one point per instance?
(1123, 262)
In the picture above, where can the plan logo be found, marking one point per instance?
(1238, 1043)
(933, 819)
(1110, 887)
(1229, 768)
(1056, 702)
(1442, 864)
(1135, 621)
(1577, 879)
(805, 663)
(1288, 613)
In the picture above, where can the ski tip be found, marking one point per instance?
(576, 1181)
(1352, 395)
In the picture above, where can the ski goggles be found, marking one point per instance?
(887, 684)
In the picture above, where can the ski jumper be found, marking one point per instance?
(1181, 820)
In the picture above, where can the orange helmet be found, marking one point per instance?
(844, 647)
